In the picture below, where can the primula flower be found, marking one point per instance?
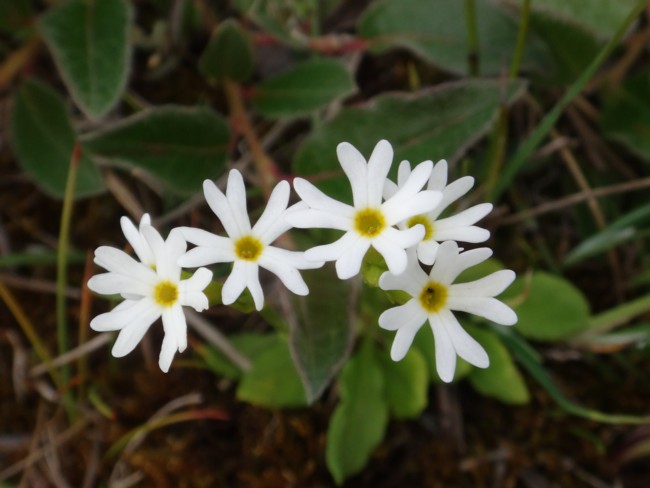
(435, 295)
(368, 222)
(248, 248)
(459, 227)
(152, 288)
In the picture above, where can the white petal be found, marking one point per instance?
(175, 247)
(404, 206)
(404, 238)
(463, 234)
(121, 317)
(116, 260)
(355, 168)
(253, 284)
(445, 352)
(470, 215)
(235, 283)
(333, 251)
(427, 251)
(198, 281)
(134, 236)
(414, 183)
(390, 188)
(412, 280)
(438, 178)
(317, 200)
(408, 314)
(403, 173)
(318, 219)
(349, 264)
(454, 191)
(488, 286)
(177, 325)
(279, 262)
(449, 263)
(379, 164)
(236, 195)
(167, 353)
(204, 256)
(133, 333)
(394, 255)
(221, 208)
(113, 283)
(486, 307)
(272, 222)
(465, 345)
(155, 241)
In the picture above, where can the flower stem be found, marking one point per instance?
(61, 271)
(472, 37)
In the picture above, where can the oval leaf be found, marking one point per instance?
(43, 139)
(181, 146)
(89, 42)
(359, 421)
(406, 384)
(321, 330)
(303, 89)
(432, 124)
(437, 31)
(501, 380)
(553, 310)
(228, 54)
(273, 380)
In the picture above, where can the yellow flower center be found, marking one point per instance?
(433, 296)
(248, 248)
(369, 222)
(428, 225)
(165, 293)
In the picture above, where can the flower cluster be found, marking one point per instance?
(400, 220)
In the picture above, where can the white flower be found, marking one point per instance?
(459, 227)
(368, 222)
(434, 298)
(248, 248)
(151, 289)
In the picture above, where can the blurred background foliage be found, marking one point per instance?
(545, 102)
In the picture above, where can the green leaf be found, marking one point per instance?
(273, 380)
(302, 89)
(621, 230)
(229, 53)
(43, 139)
(89, 42)
(406, 383)
(250, 344)
(437, 31)
(600, 19)
(626, 116)
(553, 310)
(181, 146)
(359, 421)
(501, 380)
(443, 122)
(321, 329)
(530, 360)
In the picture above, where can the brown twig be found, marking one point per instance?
(241, 123)
(575, 198)
(15, 62)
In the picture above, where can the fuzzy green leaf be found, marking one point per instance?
(437, 31)
(181, 146)
(553, 310)
(229, 53)
(273, 380)
(501, 380)
(250, 344)
(302, 89)
(321, 330)
(406, 384)
(43, 139)
(359, 421)
(433, 124)
(89, 42)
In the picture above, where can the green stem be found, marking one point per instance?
(61, 275)
(472, 37)
(521, 40)
(526, 148)
(499, 137)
